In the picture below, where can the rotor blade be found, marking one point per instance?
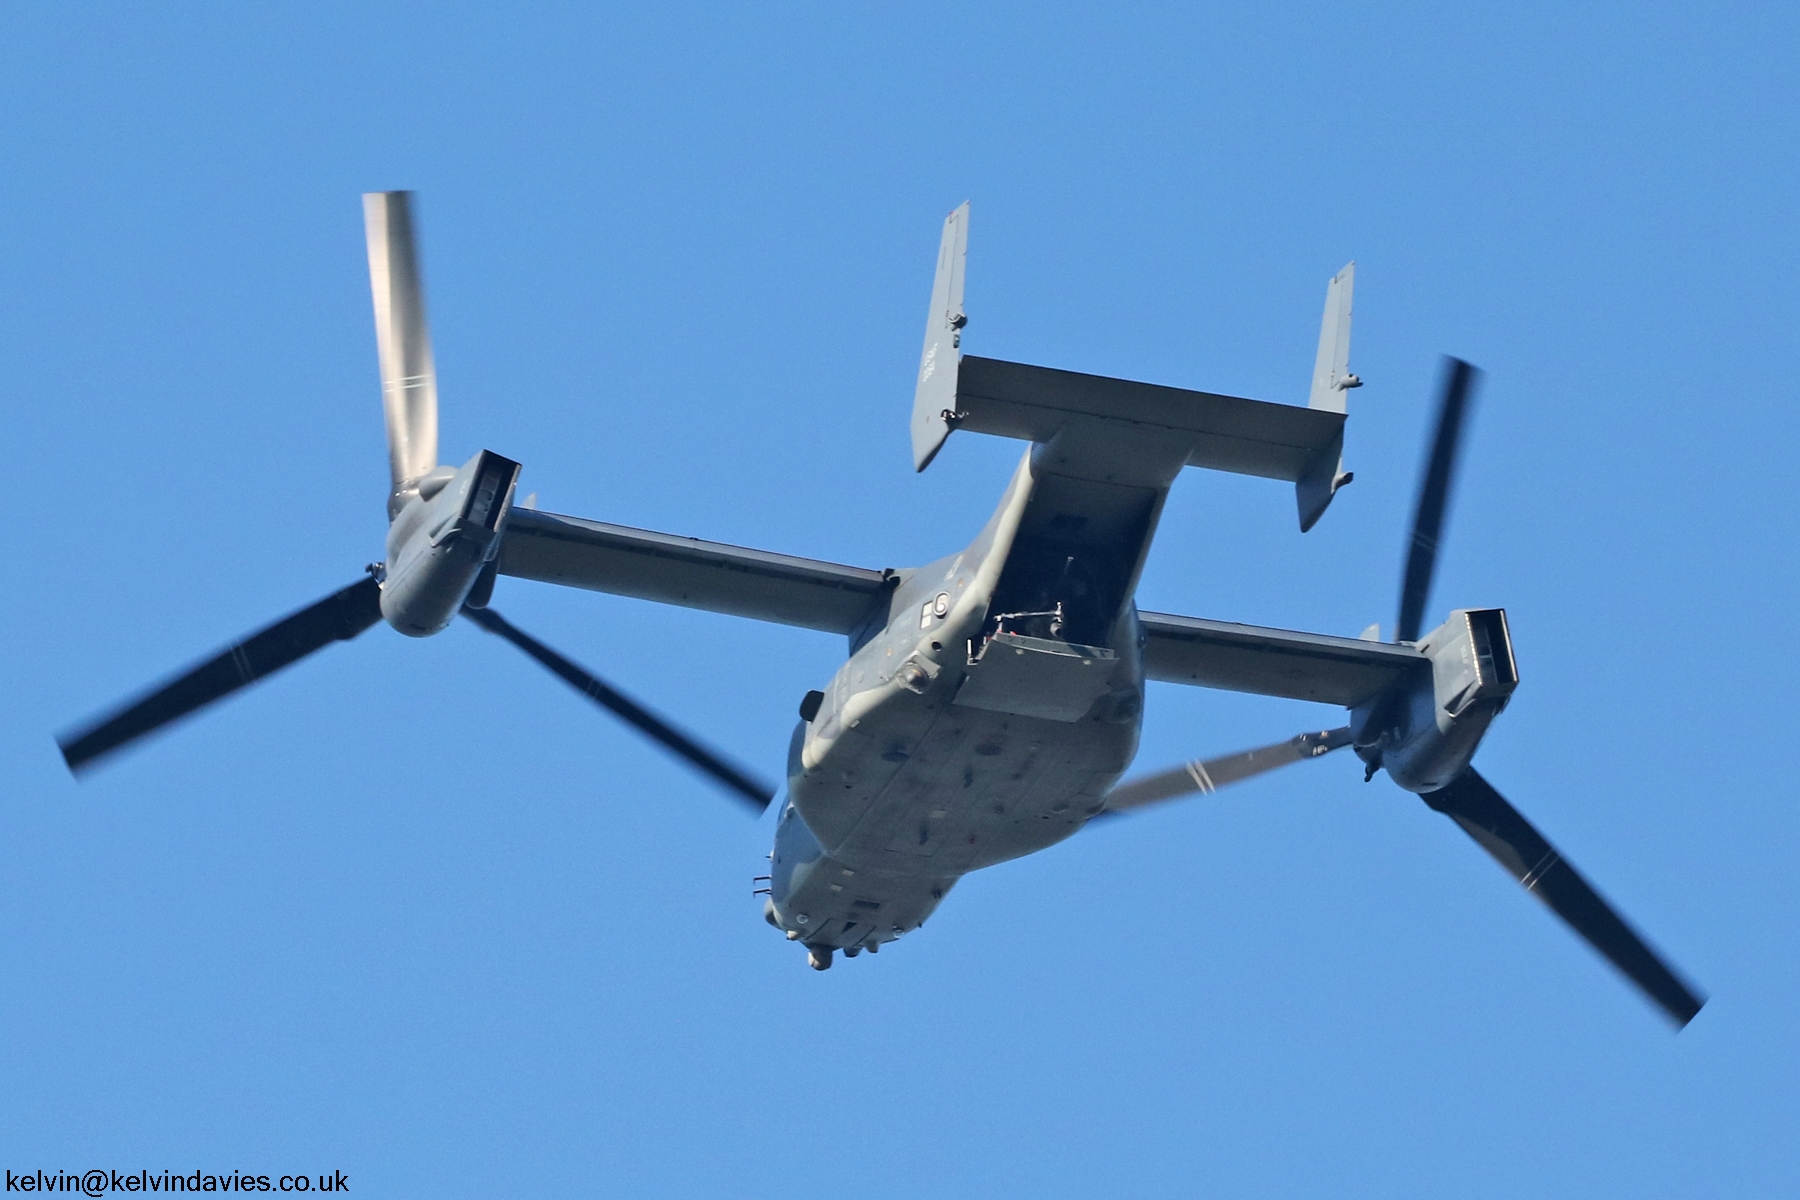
(1214, 773)
(757, 793)
(408, 379)
(339, 617)
(1434, 497)
(1484, 814)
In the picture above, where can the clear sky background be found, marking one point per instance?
(415, 912)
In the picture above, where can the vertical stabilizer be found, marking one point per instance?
(1331, 370)
(1330, 382)
(934, 400)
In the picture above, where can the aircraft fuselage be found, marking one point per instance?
(982, 715)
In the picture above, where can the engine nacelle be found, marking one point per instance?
(447, 530)
(1425, 734)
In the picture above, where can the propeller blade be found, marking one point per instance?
(752, 790)
(1434, 496)
(337, 618)
(408, 379)
(1484, 815)
(1214, 773)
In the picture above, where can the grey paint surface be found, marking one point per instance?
(1223, 433)
(1273, 662)
(1331, 369)
(992, 700)
(934, 394)
(687, 571)
(834, 598)
(896, 790)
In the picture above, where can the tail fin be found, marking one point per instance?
(1331, 370)
(934, 400)
(1331, 381)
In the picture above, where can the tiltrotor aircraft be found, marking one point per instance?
(993, 698)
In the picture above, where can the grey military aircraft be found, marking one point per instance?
(991, 700)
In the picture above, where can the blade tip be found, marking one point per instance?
(1686, 1012)
(77, 762)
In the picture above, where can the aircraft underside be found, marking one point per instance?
(971, 789)
(991, 700)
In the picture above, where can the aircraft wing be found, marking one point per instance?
(765, 586)
(687, 571)
(1272, 662)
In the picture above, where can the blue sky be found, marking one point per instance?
(413, 912)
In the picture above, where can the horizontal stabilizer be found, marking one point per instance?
(1120, 431)
(1201, 429)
